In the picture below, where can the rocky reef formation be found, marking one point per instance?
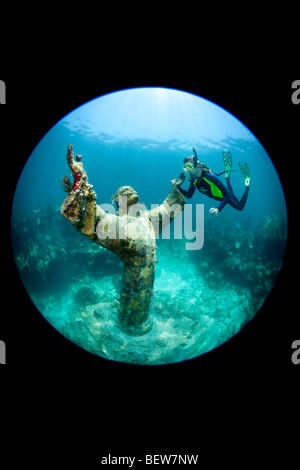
(250, 258)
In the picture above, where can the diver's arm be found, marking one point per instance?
(188, 193)
(223, 203)
(215, 211)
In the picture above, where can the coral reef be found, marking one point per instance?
(270, 236)
(246, 257)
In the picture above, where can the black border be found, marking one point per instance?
(270, 115)
(232, 379)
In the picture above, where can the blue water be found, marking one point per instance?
(139, 138)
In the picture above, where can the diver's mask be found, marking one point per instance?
(188, 167)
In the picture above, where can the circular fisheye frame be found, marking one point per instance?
(149, 226)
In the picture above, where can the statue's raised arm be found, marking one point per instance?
(80, 205)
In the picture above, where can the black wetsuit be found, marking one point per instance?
(212, 186)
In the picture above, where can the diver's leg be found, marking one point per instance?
(244, 198)
(235, 203)
(229, 185)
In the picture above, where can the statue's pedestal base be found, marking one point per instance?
(139, 330)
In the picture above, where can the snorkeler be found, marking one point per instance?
(207, 182)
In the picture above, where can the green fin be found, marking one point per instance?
(227, 158)
(245, 172)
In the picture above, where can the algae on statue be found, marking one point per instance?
(130, 234)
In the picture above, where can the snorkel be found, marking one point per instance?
(193, 166)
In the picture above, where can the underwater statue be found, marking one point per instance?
(130, 234)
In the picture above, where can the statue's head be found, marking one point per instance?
(128, 192)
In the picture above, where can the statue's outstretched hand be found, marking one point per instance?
(179, 180)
